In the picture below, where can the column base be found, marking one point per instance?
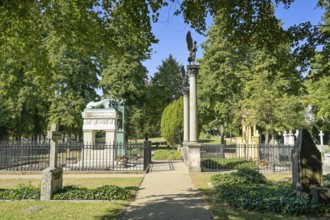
(192, 156)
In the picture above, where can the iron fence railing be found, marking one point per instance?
(75, 156)
(267, 158)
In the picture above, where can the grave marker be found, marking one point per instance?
(306, 164)
(321, 138)
(52, 177)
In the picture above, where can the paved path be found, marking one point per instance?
(167, 192)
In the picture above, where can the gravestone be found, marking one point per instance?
(52, 177)
(306, 164)
(290, 138)
(321, 138)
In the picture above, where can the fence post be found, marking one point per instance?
(146, 154)
(21, 155)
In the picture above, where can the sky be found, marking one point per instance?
(171, 31)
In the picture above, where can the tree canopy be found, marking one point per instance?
(54, 54)
(244, 81)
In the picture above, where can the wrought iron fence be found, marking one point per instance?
(266, 158)
(76, 156)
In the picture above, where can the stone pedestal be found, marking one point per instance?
(321, 195)
(52, 179)
(193, 157)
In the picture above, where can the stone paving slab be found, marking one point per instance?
(167, 192)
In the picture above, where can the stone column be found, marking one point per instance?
(110, 137)
(193, 129)
(194, 152)
(185, 110)
(89, 137)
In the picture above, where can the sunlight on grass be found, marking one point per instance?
(166, 155)
(278, 177)
(61, 210)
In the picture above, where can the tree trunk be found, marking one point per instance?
(267, 138)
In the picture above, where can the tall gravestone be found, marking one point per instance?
(52, 177)
(306, 164)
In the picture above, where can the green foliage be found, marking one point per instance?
(166, 155)
(54, 52)
(21, 192)
(240, 177)
(172, 122)
(318, 81)
(106, 192)
(242, 81)
(165, 87)
(229, 163)
(249, 190)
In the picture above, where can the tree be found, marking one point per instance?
(224, 68)
(245, 81)
(166, 86)
(41, 40)
(271, 96)
(172, 122)
(318, 80)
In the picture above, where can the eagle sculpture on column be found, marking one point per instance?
(192, 47)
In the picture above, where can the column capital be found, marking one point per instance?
(193, 69)
(185, 85)
(185, 91)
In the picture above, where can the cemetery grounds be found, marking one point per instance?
(34, 209)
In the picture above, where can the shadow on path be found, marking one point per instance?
(167, 192)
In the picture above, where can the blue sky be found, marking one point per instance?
(171, 31)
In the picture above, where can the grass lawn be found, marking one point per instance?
(61, 210)
(221, 211)
(65, 209)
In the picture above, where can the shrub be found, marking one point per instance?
(22, 192)
(239, 177)
(106, 192)
(172, 122)
(249, 190)
(229, 163)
